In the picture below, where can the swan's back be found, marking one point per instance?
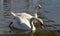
(24, 15)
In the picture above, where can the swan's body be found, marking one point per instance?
(23, 21)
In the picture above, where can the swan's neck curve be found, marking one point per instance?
(35, 10)
(33, 27)
(32, 24)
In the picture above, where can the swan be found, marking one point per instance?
(25, 21)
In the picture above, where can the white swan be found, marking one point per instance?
(26, 21)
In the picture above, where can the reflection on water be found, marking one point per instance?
(48, 31)
(37, 33)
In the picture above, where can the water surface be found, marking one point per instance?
(50, 13)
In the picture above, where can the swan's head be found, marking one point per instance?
(37, 22)
(38, 6)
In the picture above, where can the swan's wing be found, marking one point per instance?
(24, 15)
(22, 23)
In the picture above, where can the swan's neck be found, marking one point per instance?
(33, 28)
(35, 10)
(35, 14)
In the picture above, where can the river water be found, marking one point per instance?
(50, 13)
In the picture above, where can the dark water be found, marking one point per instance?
(50, 13)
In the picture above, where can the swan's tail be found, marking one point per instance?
(13, 14)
